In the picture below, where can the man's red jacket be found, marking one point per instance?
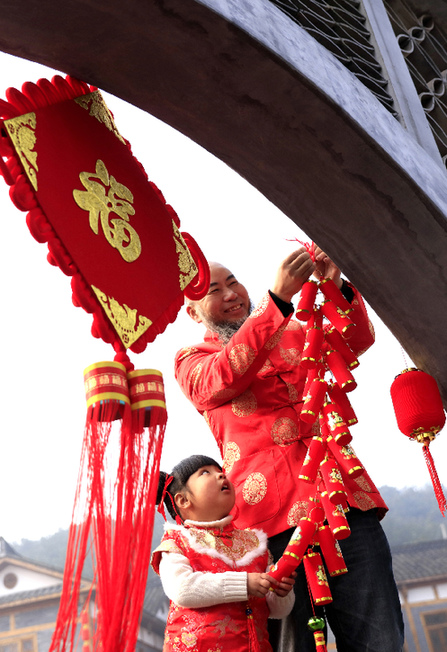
(250, 392)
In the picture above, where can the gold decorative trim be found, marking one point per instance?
(123, 318)
(95, 105)
(187, 267)
(21, 130)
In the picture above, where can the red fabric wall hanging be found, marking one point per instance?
(109, 228)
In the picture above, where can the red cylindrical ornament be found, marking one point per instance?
(333, 481)
(284, 567)
(338, 318)
(316, 511)
(337, 427)
(346, 411)
(346, 458)
(312, 348)
(106, 391)
(320, 642)
(331, 291)
(317, 372)
(316, 578)
(147, 397)
(315, 454)
(336, 341)
(316, 320)
(331, 552)
(301, 538)
(307, 299)
(417, 404)
(342, 375)
(313, 400)
(336, 518)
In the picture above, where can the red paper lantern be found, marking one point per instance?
(420, 416)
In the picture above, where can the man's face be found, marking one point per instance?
(226, 302)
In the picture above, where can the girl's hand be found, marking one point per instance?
(258, 584)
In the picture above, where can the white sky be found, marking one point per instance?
(47, 341)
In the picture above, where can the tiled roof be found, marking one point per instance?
(414, 561)
(33, 594)
(6, 550)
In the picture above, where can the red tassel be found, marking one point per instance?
(114, 511)
(440, 497)
(253, 643)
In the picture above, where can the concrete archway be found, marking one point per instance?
(252, 88)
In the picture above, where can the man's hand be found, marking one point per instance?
(292, 274)
(325, 267)
(258, 584)
(283, 587)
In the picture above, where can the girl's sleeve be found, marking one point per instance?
(191, 589)
(280, 607)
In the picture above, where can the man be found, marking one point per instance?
(247, 381)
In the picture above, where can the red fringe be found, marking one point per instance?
(440, 497)
(113, 513)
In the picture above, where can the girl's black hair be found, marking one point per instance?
(181, 474)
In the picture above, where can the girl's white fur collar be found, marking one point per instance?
(249, 556)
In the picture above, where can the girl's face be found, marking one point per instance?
(209, 495)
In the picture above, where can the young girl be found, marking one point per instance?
(214, 574)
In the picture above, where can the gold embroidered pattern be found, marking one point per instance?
(363, 500)
(254, 489)
(297, 511)
(266, 367)
(291, 356)
(363, 483)
(118, 232)
(21, 131)
(189, 639)
(316, 430)
(241, 357)
(276, 338)
(97, 108)
(244, 405)
(123, 318)
(293, 326)
(224, 393)
(196, 375)
(284, 431)
(293, 393)
(186, 352)
(187, 267)
(261, 307)
(232, 454)
(242, 542)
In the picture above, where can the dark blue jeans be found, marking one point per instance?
(365, 615)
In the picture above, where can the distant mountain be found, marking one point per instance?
(413, 516)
